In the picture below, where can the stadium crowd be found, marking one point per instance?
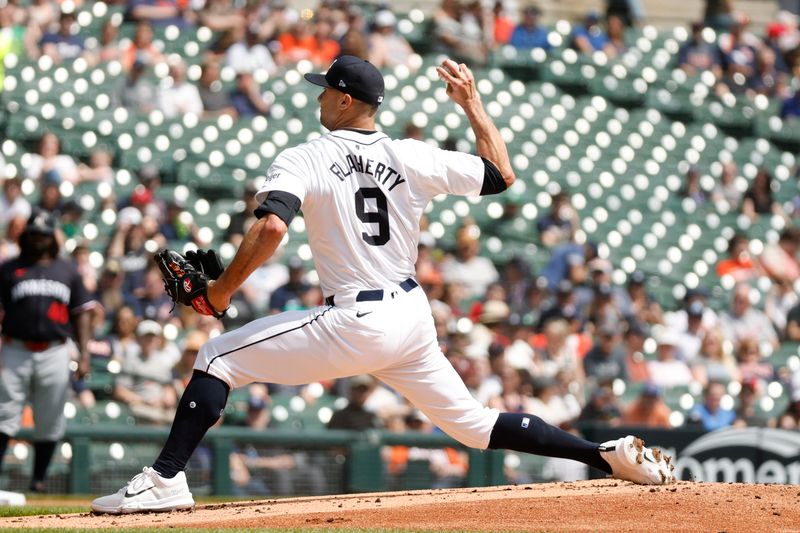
(561, 342)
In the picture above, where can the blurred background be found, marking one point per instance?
(641, 273)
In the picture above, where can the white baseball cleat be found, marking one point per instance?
(632, 461)
(147, 492)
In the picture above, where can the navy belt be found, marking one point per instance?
(376, 295)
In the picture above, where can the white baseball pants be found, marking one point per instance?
(393, 339)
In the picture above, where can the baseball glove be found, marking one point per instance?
(186, 278)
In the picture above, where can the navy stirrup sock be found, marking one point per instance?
(200, 407)
(43, 454)
(530, 434)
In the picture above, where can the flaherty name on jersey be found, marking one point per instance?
(381, 172)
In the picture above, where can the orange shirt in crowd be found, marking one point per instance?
(638, 415)
(739, 269)
(294, 49)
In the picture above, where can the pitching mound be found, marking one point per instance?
(583, 506)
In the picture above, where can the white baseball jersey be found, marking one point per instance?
(362, 196)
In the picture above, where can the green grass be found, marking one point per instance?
(37, 510)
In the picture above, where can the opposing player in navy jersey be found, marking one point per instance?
(45, 325)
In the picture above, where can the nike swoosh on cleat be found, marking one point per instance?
(129, 495)
(359, 314)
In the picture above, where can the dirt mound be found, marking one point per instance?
(605, 505)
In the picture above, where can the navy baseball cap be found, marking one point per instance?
(354, 76)
(42, 222)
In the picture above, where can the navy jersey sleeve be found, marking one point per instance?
(80, 299)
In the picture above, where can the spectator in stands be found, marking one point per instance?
(466, 267)
(648, 410)
(41, 15)
(99, 168)
(602, 407)
(616, 37)
(513, 398)
(751, 363)
(781, 299)
(590, 37)
(176, 227)
(710, 414)
(289, 296)
(313, 43)
(548, 404)
(220, 15)
(180, 97)
(9, 245)
(503, 24)
(247, 99)
(491, 385)
(603, 308)
(639, 306)
(296, 43)
(747, 414)
(387, 48)
(243, 216)
(568, 262)
(145, 380)
(790, 109)
(691, 187)
(272, 19)
(17, 37)
(738, 60)
(558, 355)
(714, 362)
(768, 79)
(726, 190)
(790, 419)
(606, 360)
(123, 334)
(528, 33)
(160, 12)
(354, 416)
(739, 265)
(216, 101)
(743, 321)
(515, 281)
(718, 14)
(630, 11)
(759, 199)
(354, 43)
(456, 37)
(635, 363)
(667, 370)
(108, 48)
(689, 340)
(135, 92)
(559, 224)
(151, 302)
(780, 260)
(183, 369)
(793, 324)
(12, 203)
(141, 48)
(64, 45)
(109, 286)
(491, 325)
(49, 159)
(51, 199)
(249, 54)
(697, 55)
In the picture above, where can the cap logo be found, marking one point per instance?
(342, 83)
(380, 99)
